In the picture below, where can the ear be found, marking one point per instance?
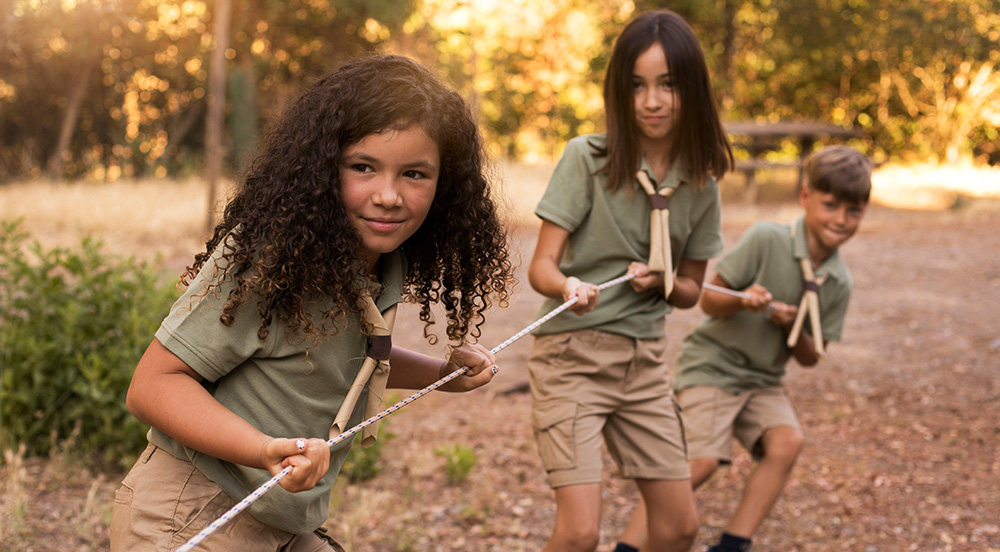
(804, 194)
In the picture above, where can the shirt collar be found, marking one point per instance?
(388, 290)
(677, 175)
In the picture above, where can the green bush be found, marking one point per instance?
(363, 464)
(458, 463)
(73, 324)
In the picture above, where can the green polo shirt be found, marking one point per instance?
(284, 385)
(745, 350)
(608, 231)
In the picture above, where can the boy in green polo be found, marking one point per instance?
(729, 373)
(728, 377)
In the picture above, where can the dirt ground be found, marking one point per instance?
(903, 440)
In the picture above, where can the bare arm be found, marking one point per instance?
(687, 283)
(413, 370)
(781, 314)
(546, 278)
(804, 350)
(720, 304)
(167, 394)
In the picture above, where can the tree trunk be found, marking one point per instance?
(216, 104)
(77, 92)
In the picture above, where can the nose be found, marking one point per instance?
(840, 216)
(652, 99)
(386, 193)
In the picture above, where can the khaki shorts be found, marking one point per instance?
(164, 501)
(591, 387)
(713, 417)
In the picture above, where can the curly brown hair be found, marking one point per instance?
(285, 237)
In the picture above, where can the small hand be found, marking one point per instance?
(759, 298)
(587, 295)
(482, 366)
(782, 314)
(309, 458)
(644, 279)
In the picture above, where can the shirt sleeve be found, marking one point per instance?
(739, 268)
(705, 241)
(194, 332)
(569, 196)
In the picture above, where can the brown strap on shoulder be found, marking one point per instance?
(374, 371)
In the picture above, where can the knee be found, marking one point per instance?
(686, 529)
(582, 539)
(679, 534)
(677, 530)
(784, 446)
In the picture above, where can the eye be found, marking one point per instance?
(667, 84)
(636, 85)
(361, 168)
(414, 174)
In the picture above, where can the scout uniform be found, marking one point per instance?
(604, 377)
(742, 356)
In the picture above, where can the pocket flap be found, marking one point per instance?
(548, 414)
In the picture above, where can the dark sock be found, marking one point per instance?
(731, 543)
(622, 547)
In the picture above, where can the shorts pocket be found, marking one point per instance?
(123, 495)
(553, 424)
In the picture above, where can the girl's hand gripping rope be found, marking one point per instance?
(586, 295)
(643, 279)
(309, 463)
(480, 364)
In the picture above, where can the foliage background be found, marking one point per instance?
(108, 89)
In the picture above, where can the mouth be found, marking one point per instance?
(838, 233)
(383, 225)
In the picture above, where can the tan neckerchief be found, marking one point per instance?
(659, 231)
(809, 304)
(374, 371)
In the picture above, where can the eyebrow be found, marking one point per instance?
(660, 76)
(366, 158)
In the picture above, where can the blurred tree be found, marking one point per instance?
(919, 75)
(117, 88)
(534, 70)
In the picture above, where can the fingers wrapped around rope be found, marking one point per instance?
(480, 364)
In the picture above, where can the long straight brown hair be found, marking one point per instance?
(702, 141)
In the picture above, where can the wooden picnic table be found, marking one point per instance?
(759, 138)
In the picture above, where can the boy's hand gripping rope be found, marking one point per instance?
(257, 493)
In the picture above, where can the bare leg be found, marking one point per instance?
(764, 485)
(672, 519)
(635, 531)
(578, 518)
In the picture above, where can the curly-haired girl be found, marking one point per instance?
(369, 187)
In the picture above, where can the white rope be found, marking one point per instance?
(734, 293)
(727, 291)
(257, 493)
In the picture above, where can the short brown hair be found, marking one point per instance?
(842, 171)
